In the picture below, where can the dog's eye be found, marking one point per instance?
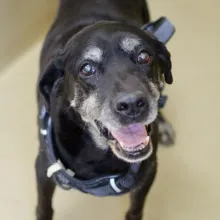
(87, 70)
(144, 57)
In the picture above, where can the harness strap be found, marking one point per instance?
(162, 29)
(114, 186)
(65, 178)
(54, 168)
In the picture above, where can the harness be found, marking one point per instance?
(105, 185)
(65, 178)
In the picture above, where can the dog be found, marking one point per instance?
(99, 84)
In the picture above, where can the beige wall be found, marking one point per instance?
(22, 22)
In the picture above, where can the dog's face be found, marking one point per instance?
(112, 76)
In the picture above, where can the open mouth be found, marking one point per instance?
(131, 143)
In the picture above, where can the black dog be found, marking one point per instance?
(101, 78)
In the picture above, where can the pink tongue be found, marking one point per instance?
(131, 136)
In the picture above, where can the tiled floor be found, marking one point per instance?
(188, 182)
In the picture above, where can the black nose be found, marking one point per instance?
(131, 105)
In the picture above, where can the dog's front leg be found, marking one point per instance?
(139, 194)
(45, 189)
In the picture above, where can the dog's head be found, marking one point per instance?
(112, 75)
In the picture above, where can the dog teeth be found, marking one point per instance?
(142, 146)
(146, 141)
(134, 149)
(121, 144)
(136, 153)
(112, 143)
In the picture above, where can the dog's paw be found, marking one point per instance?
(130, 216)
(166, 133)
(42, 214)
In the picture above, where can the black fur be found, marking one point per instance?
(75, 143)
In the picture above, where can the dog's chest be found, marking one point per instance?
(91, 163)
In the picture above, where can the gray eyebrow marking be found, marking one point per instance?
(93, 53)
(128, 44)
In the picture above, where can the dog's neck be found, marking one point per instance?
(85, 13)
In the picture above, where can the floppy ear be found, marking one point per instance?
(49, 77)
(165, 62)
